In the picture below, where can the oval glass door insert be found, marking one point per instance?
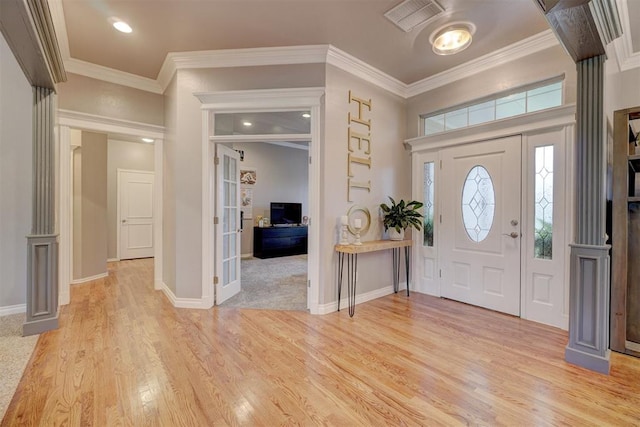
(478, 203)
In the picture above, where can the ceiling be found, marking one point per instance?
(356, 27)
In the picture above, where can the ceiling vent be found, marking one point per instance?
(411, 13)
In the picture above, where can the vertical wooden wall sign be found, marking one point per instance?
(359, 147)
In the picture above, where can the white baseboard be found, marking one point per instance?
(13, 309)
(246, 256)
(113, 259)
(360, 298)
(64, 298)
(88, 279)
(198, 303)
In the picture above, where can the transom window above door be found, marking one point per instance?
(263, 123)
(541, 96)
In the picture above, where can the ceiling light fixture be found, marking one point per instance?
(452, 38)
(247, 124)
(120, 25)
(306, 115)
(147, 140)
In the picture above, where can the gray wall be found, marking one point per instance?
(15, 177)
(93, 222)
(182, 210)
(283, 176)
(87, 95)
(122, 155)
(390, 175)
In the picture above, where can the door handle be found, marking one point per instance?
(513, 234)
(124, 221)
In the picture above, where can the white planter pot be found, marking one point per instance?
(395, 235)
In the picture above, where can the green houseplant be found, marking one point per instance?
(401, 215)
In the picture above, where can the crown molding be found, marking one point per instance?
(106, 74)
(627, 58)
(250, 57)
(366, 72)
(520, 49)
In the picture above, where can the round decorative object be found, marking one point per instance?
(395, 234)
(361, 213)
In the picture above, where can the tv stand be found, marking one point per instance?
(271, 242)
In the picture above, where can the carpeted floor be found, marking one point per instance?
(274, 283)
(15, 351)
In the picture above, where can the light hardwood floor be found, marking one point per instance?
(124, 356)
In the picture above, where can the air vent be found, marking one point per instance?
(411, 13)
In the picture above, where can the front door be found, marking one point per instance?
(481, 218)
(135, 203)
(227, 229)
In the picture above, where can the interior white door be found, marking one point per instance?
(135, 201)
(227, 229)
(481, 215)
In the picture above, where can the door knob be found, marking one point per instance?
(124, 221)
(513, 234)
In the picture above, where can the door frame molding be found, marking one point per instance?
(119, 171)
(309, 98)
(68, 120)
(562, 117)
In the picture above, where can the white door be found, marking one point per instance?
(227, 229)
(135, 205)
(480, 226)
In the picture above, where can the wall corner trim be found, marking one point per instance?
(197, 303)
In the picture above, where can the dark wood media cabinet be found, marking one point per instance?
(270, 242)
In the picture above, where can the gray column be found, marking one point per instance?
(42, 244)
(589, 280)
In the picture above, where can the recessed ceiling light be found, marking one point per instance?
(147, 140)
(121, 26)
(452, 38)
(247, 124)
(306, 115)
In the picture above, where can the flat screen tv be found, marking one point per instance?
(286, 213)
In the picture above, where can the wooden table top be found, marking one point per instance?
(372, 246)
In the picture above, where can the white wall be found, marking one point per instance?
(15, 178)
(122, 155)
(283, 176)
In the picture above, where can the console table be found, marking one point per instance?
(351, 253)
(269, 242)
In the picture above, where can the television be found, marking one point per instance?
(286, 213)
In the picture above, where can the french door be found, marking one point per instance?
(227, 227)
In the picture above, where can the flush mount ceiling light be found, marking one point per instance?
(306, 115)
(452, 38)
(120, 25)
(247, 124)
(147, 140)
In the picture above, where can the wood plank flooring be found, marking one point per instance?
(124, 356)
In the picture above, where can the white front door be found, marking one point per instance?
(135, 204)
(227, 229)
(481, 197)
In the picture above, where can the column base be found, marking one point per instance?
(36, 327)
(589, 308)
(587, 360)
(42, 284)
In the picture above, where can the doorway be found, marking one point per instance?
(498, 215)
(297, 101)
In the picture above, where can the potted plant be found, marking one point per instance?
(400, 216)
